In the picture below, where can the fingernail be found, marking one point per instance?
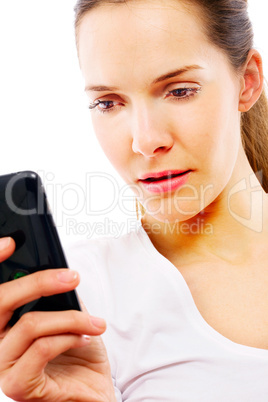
(98, 322)
(4, 242)
(67, 276)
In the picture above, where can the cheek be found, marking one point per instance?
(210, 132)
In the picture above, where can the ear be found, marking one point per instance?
(251, 81)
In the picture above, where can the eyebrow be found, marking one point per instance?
(171, 74)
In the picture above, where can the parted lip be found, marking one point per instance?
(162, 175)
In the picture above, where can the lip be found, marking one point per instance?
(167, 184)
(161, 174)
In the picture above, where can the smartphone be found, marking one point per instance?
(26, 217)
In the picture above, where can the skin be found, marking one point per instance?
(151, 132)
(148, 130)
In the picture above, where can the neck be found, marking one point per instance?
(233, 228)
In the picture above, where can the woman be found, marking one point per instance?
(176, 94)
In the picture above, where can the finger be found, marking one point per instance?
(35, 325)
(7, 248)
(27, 376)
(20, 291)
(95, 354)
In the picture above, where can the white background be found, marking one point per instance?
(45, 124)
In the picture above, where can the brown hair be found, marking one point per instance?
(227, 25)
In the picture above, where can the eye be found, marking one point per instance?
(104, 106)
(178, 94)
(183, 93)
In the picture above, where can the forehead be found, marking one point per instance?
(139, 39)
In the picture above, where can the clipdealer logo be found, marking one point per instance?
(71, 199)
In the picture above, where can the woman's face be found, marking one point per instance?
(165, 99)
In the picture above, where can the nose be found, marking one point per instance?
(150, 131)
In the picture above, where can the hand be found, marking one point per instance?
(50, 356)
